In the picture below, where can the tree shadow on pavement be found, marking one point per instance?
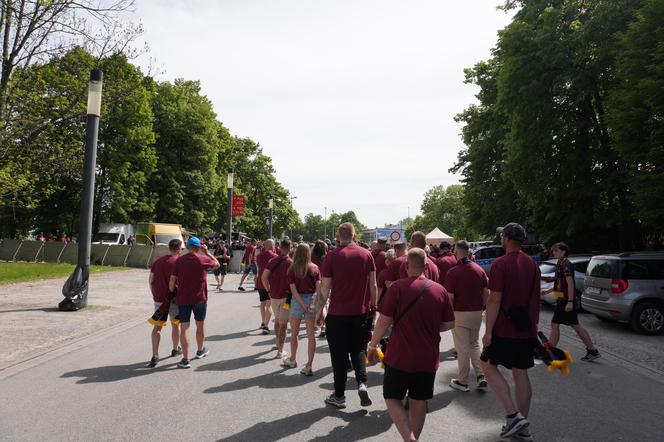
(360, 425)
(36, 309)
(113, 373)
(373, 378)
(237, 363)
(271, 380)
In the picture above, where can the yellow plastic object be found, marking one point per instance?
(175, 321)
(157, 323)
(562, 365)
(286, 306)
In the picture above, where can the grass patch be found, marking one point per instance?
(11, 272)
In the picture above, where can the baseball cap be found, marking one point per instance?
(513, 231)
(193, 242)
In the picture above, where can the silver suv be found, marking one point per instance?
(627, 287)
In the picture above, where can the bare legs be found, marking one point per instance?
(311, 338)
(280, 332)
(581, 332)
(294, 332)
(522, 389)
(184, 337)
(408, 424)
(266, 312)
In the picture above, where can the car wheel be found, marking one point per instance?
(648, 318)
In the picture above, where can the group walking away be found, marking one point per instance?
(370, 301)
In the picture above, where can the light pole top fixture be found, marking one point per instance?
(94, 92)
(270, 203)
(229, 179)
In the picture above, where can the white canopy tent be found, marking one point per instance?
(437, 236)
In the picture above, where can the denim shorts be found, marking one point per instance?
(296, 310)
(199, 310)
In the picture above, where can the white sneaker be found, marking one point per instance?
(454, 383)
(281, 355)
(288, 363)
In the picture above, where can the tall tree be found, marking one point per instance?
(636, 112)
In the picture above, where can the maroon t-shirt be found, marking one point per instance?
(261, 262)
(306, 285)
(278, 281)
(349, 267)
(191, 270)
(445, 263)
(394, 268)
(517, 276)
(382, 278)
(162, 269)
(467, 282)
(249, 254)
(415, 338)
(430, 271)
(379, 260)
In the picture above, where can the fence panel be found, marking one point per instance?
(29, 251)
(158, 252)
(236, 261)
(52, 251)
(139, 256)
(98, 253)
(117, 255)
(8, 249)
(70, 253)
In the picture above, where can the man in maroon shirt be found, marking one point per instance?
(160, 275)
(249, 261)
(381, 278)
(262, 260)
(418, 310)
(378, 254)
(395, 266)
(190, 276)
(419, 240)
(467, 283)
(446, 261)
(349, 280)
(509, 340)
(275, 281)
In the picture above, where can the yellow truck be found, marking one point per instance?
(158, 233)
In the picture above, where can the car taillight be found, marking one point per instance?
(619, 285)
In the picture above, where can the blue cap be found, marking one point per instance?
(193, 242)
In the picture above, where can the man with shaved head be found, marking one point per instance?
(419, 240)
(349, 279)
(418, 309)
(261, 262)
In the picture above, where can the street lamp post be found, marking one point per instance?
(270, 205)
(75, 289)
(291, 203)
(229, 207)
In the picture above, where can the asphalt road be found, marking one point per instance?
(102, 391)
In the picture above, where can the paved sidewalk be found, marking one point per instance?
(103, 391)
(32, 325)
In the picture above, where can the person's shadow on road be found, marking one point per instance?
(237, 363)
(359, 425)
(271, 380)
(113, 373)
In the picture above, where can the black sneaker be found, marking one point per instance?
(266, 331)
(241, 289)
(365, 401)
(339, 402)
(176, 352)
(482, 384)
(262, 326)
(591, 355)
(153, 362)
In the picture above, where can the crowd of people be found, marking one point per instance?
(373, 302)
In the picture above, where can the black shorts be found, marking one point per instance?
(220, 271)
(560, 316)
(511, 352)
(418, 385)
(263, 295)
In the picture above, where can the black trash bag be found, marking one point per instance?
(75, 290)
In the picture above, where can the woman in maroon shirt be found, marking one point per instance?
(304, 282)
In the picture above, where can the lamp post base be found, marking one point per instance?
(75, 291)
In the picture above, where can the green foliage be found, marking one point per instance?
(316, 227)
(636, 112)
(540, 149)
(443, 208)
(12, 272)
(162, 154)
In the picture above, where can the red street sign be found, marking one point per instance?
(238, 205)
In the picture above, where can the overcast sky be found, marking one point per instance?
(352, 99)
